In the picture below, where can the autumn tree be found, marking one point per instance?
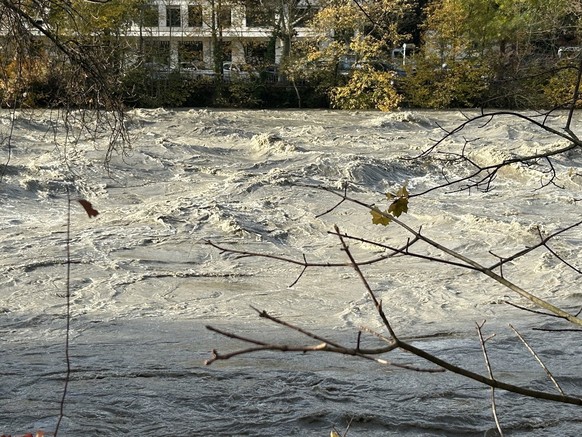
(77, 48)
(281, 18)
(356, 37)
(66, 54)
(489, 52)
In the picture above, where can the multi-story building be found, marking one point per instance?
(175, 32)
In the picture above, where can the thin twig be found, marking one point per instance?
(68, 316)
(368, 354)
(557, 330)
(574, 98)
(529, 310)
(305, 264)
(538, 359)
(377, 303)
(323, 346)
(543, 241)
(488, 365)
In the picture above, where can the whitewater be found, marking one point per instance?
(145, 283)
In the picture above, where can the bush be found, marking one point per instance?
(240, 94)
(141, 89)
(367, 89)
(433, 85)
(559, 90)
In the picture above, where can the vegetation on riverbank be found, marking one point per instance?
(461, 53)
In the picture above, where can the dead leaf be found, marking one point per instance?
(88, 209)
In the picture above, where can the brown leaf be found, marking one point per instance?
(88, 208)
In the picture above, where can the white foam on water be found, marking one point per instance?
(144, 281)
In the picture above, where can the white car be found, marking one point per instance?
(231, 70)
(190, 70)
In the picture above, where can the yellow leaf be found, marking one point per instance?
(334, 434)
(398, 206)
(379, 218)
(402, 192)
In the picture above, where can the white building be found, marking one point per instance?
(174, 32)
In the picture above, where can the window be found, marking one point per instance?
(195, 16)
(157, 51)
(256, 14)
(256, 53)
(191, 51)
(224, 17)
(150, 16)
(173, 16)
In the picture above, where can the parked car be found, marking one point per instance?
(569, 52)
(231, 70)
(157, 70)
(191, 70)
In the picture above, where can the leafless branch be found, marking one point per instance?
(538, 359)
(531, 310)
(482, 176)
(323, 345)
(486, 271)
(304, 263)
(543, 242)
(368, 354)
(490, 372)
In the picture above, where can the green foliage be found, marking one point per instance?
(364, 32)
(143, 90)
(460, 84)
(309, 64)
(398, 206)
(97, 19)
(497, 52)
(240, 94)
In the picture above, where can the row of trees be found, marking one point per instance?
(471, 52)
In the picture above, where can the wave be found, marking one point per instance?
(405, 120)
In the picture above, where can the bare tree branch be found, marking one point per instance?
(486, 271)
(538, 359)
(490, 372)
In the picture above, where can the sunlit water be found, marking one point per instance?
(145, 284)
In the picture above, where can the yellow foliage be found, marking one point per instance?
(560, 88)
(398, 206)
(367, 89)
(380, 218)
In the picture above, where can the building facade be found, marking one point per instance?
(182, 32)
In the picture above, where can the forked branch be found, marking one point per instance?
(470, 262)
(325, 345)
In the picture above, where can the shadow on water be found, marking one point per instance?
(147, 377)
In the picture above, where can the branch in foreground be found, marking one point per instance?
(324, 345)
(368, 354)
(305, 264)
(444, 364)
(486, 271)
(483, 175)
(538, 359)
(490, 372)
